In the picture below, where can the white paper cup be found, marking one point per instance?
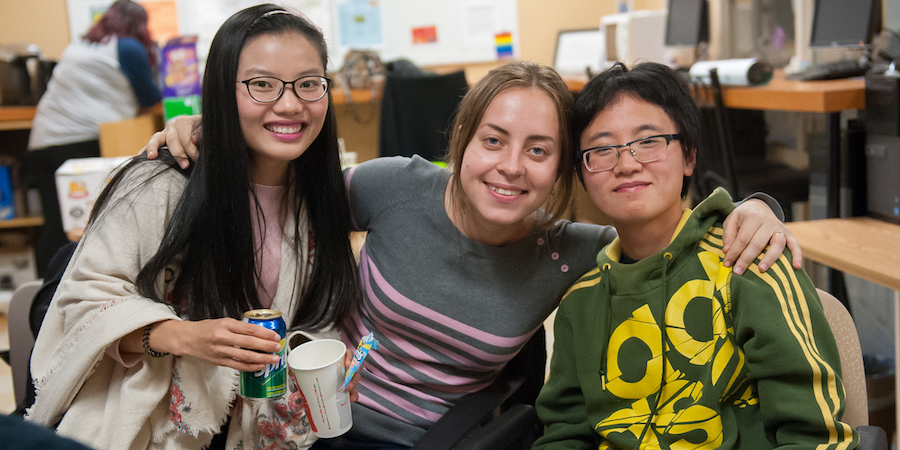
(319, 368)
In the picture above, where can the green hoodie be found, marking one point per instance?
(744, 362)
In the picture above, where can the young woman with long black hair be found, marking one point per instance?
(143, 344)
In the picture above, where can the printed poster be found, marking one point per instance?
(359, 23)
(424, 35)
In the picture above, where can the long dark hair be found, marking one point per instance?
(124, 18)
(211, 227)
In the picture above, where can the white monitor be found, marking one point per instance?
(634, 36)
(577, 51)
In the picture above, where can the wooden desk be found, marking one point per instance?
(861, 246)
(811, 96)
(785, 95)
(357, 95)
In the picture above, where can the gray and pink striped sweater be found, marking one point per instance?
(448, 312)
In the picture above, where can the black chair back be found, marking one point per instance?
(417, 111)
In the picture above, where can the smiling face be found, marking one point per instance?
(280, 131)
(632, 192)
(509, 166)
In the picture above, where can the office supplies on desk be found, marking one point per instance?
(735, 72)
(831, 71)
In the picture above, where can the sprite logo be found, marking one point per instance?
(270, 382)
(272, 369)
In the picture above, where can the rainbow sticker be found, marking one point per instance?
(504, 45)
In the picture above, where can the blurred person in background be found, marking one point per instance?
(108, 76)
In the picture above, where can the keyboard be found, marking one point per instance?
(831, 71)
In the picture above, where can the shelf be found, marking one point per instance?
(16, 117)
(21, 222)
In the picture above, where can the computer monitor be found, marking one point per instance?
(842, 23)
(578, 50)
(687, 23)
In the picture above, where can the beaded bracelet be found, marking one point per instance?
(147, 348)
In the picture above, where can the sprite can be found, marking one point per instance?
(270, 382)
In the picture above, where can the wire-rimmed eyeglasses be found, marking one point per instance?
(644, 150)
(269, 89)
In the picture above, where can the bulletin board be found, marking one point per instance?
(434, 32)
(427, 32)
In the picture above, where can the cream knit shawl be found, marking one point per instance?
(95, 399)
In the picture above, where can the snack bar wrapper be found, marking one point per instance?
(366, 344)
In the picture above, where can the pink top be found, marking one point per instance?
(268, 254)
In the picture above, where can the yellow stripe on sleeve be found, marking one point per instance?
(584, 282)
(786, 289)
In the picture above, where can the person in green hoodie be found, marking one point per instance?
(660, 346)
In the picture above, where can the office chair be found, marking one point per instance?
(417, 111)
(856, 406)
(21, 340)
(720, 166)
(500, 416)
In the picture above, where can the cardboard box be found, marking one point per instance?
(78, 183)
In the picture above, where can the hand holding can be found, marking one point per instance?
(271, 382)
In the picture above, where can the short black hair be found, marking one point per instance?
(652, 82)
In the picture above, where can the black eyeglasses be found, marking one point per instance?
(269, 89)
(644, 150)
